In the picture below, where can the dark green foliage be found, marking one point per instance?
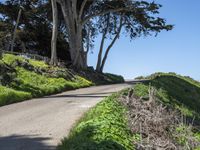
(112, 78)
(7, 74)
(181, 90)
(35, 28)
(103, 127)
(100, 78)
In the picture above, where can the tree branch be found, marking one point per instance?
(103, 13)
(111, 44)
(82, 8)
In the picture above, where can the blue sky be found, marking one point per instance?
(174, 51)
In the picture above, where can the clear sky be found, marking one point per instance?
(174, 51)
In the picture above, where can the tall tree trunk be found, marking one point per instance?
(75, 20)
(23, 47)
(54, 59)
(74, 29)
(14, 33)
(99, 60)
(100, 53)
(110, 46)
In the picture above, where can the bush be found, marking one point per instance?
(12, 59)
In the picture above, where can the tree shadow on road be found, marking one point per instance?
(23, 142)
(89, 95)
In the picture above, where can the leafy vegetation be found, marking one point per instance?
(36, 78)
(103, 127)
(32, 79)
(8, 96)
(39, 85)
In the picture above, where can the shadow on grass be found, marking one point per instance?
(180, 90)
(84, 140)
(23, 142)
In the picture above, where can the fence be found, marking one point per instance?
(37, 57)
(32, 56)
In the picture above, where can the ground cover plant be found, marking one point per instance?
(8, 96)
(37, 78)
(31, 78)
(104, 127)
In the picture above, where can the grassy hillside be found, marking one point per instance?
(179, 91)
(181, 94)
(161, 113)
(22, 78)
(8, 96)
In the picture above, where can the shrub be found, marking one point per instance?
(12, 59)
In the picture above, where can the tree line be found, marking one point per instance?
(71, 26)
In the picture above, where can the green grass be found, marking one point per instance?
(39, 85)
(182, 91)
(39, 64)
(104, 127)
(8, 96)
(36, 84)
(37, 78)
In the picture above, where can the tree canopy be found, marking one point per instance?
(75, 24)
(34, 30)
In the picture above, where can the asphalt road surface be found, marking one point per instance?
(40, 124)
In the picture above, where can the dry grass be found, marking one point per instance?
(159, 127)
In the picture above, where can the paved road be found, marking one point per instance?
(40, 124)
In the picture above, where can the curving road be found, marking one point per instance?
(40, 124)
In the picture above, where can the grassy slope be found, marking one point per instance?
(27, 84)
(36, 79)
(103, 127)
(181, 93)
(8, 96)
